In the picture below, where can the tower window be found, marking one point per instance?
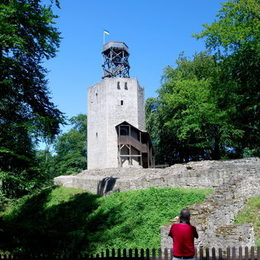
(97, 134)
(124, 130)
(126, 86)
(118, 85)
(122, 102)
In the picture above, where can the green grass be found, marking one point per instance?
(136, 216)
(71, 220)
(251, 214)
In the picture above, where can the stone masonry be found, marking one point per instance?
(111, 102)
(234, 181)
(214, 217)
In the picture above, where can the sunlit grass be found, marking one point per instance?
(251, 214)
(136, 216)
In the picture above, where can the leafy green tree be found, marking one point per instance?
(46, 164)
(208, 107)
(191, 125)
(71, 148)
(27, 37)
(152, 121)
(237, 26)
(163, 139)
(235, 38)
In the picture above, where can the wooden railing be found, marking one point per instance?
(239, 253)
(126, 139)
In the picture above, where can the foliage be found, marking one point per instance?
(192, 125)
(238, 25)
(153, 124)
(235, 37)
(71, 147)
(250, 214)
(72, 221)
(46, 164)
(27, 37)
(208, 107)
(70, 151)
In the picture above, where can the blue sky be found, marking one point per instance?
(156, 32)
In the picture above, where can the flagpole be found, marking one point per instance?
(104, 36)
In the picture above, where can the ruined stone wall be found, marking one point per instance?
(204, 174)
(234, 181)
(214, 218)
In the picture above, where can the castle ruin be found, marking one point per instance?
(119, 148)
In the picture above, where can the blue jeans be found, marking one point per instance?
(175, 258)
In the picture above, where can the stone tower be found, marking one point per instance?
(116, 118)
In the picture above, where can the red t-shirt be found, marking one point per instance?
(183, 239)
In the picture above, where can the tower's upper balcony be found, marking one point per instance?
(115, 45)
(115, 56)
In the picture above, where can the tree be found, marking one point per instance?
(237, 26)
(191, 124)
(163, 140)
(152, 121)
(208, 107)
(71, 148)
(27, 37)
(46, 164)
(235, 38)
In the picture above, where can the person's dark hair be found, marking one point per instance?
(185, 216)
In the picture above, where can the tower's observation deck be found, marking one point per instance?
(115, 56)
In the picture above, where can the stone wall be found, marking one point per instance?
(234, 182)
(111, 102)
(204, 174)
(214, 218)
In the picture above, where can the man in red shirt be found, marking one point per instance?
(183, 235)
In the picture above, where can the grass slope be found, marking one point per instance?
(251, 214)
(70, 220)
(136, 216)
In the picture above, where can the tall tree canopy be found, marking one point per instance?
(208, 107)
(191, 125)
(27, 37)
(235, 38)
(237, 26)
